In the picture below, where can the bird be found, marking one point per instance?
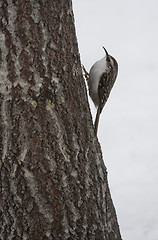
(101, 79)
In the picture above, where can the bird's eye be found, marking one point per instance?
(108, 59)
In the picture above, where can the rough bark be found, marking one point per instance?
(53, 179)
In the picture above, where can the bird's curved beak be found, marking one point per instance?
(105, 51)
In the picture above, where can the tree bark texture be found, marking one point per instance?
(53, 180)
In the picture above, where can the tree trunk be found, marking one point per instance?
(53, 179)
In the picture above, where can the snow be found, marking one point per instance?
(128, 129)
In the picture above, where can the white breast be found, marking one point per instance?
(94, 77)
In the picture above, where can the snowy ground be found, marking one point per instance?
(128, 130)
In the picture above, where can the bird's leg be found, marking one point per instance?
(86, 74)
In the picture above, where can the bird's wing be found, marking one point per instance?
(104, 89)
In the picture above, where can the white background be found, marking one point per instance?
(128, 129)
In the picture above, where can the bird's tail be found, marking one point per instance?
(97, 120)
